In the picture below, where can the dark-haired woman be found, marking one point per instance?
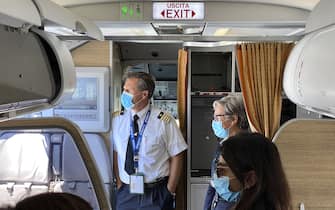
(249, 167)
(53, 201)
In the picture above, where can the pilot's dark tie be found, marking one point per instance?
(129, 164)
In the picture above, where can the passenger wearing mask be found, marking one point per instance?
(229, 118)
(250, 171)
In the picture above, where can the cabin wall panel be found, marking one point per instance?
(93, 53)
(116, 78)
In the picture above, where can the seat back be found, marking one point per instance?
(36, 162)
(74, 176)
(24, 163)
(307, 151)
(100, 153)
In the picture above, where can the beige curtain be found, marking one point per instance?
(261, 67)
(182, 89)
(182, 105)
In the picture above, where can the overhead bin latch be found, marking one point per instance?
(25, 28)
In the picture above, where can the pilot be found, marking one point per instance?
(148, 149)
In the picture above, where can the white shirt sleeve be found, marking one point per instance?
(175, 142)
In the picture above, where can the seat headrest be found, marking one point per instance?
(24, 157)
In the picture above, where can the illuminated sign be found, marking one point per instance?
(178, 10)
(131, 11)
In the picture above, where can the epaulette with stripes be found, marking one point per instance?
(164, 117)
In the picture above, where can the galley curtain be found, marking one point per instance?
(182, 105)
(261, 67)
(182, 89)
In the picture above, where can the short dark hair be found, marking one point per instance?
(53, 201)
(146, 81)
(246, 152)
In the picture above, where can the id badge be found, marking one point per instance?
(136, 183)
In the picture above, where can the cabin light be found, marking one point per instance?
(125, 29)
(178, 28)
(221, 31)
(63, 31)
(192, 31)
(209, 44)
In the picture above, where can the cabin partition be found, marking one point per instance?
(212, 74)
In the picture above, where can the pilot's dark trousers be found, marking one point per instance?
(155, 197)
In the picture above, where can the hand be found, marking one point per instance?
(172, 191)
(118, 185)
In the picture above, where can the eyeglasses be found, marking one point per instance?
(224, 171)
(216, 117)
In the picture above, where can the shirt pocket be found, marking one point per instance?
(153, 143)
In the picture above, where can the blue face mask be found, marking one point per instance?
(219, 131)
(127, 100)
(221, 186)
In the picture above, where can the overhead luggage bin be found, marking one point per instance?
(54, 16)
(16, 13)
(309, 72)
(37, 68)
(37, 71)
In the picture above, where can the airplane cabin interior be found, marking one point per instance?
(62, 64)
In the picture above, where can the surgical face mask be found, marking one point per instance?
(127, 100)
(221, 185)
(219, 131)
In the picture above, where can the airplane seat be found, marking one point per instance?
(74, 176)
(25, 168)
(306, 148)
(100, 154)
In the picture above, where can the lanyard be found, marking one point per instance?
(136, 144)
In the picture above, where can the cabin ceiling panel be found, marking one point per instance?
(214, 11)
(228, 12)
(240, 18)
(303, 4)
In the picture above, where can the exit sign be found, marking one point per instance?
(131, 11)
(178, 10)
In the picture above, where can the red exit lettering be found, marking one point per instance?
(178, 13)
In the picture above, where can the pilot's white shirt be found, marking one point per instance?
(161, 140)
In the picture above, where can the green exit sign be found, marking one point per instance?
(131, 11)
